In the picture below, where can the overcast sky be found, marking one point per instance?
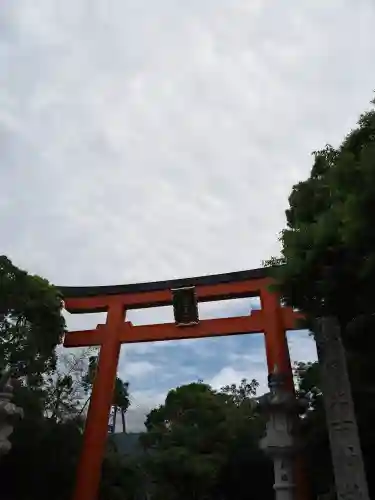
(151, 139)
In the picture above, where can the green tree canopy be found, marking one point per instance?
(202, 441)
(328, 246)
(31, 323)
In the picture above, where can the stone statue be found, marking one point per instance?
(9, 412)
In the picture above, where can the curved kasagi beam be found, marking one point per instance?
(208, 288)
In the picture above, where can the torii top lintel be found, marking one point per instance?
(239, 284)
(214, 287)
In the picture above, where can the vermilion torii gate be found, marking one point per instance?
(272, 319)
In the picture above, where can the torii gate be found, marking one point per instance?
(272, 319)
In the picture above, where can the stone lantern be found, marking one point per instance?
(281, 408)
(9, 413)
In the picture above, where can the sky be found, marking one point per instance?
(144, 140)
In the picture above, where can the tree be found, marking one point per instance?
(31, 323)
(65, 388)
(121, 402)
(122, 477)
(44, 457)
(202, 444)
(183, 441)
(243, 393)
(328, 246)
(313, 429)
(244, 458)
(121, 399)
(360, 360)
(328, 271)
(89, 377)
(360, 347)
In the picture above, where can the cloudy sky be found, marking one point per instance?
(144, 140)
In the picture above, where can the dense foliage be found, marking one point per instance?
(328, 246)
(31, 323)
(314, 430)
(202, 442)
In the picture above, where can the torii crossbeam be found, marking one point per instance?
(272, 319)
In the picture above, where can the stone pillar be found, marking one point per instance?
(279, 443)
(9, 414)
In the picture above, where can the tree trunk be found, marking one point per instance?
(84, 406)
(347, 460)
(114, 419)
(123, 421)
(54, 415)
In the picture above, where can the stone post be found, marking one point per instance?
(279, 443)
(9, 413)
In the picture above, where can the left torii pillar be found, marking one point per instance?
(96, 429)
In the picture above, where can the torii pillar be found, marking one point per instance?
(272, 319)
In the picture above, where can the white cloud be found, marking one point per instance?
(141, 404)
(237, 365)
(249, 365)
(138, 369)
(253, 366)
(152, 133)
(150, 316)
(301, 346)
(230, 375)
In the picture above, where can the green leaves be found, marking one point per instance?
(194, 439)
(121, 394)
(45, 455)
(328, 247)
(31, 323)
(243, 392)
